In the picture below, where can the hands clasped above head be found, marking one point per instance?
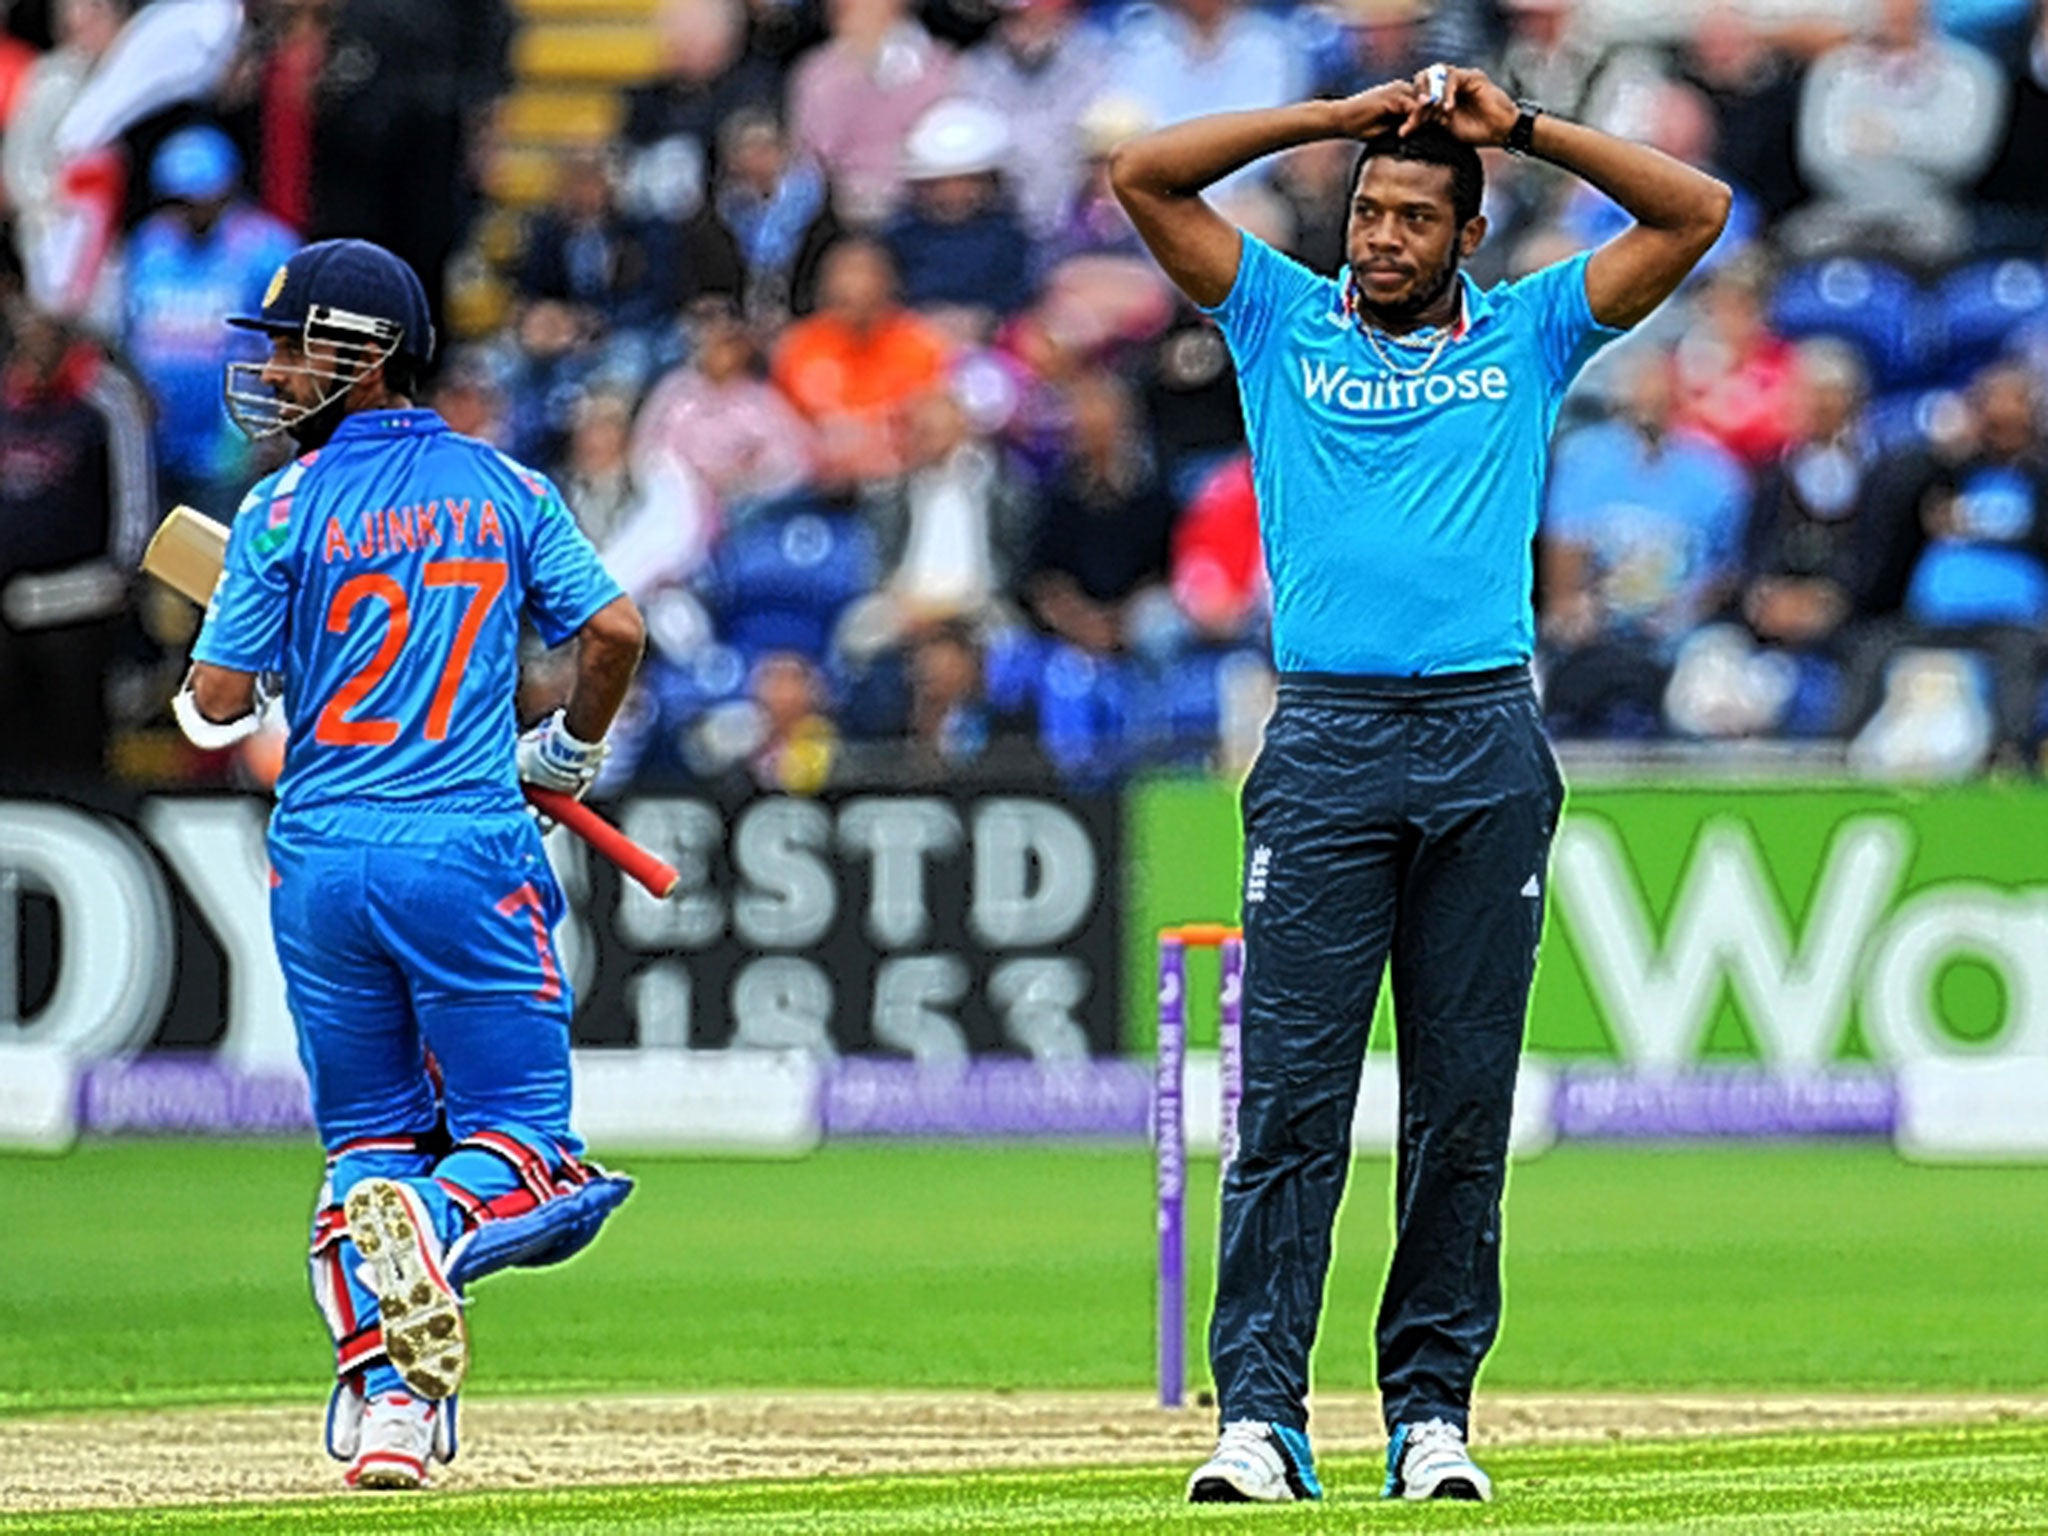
(1383, 109)
(1465, 101)
(1476, 111)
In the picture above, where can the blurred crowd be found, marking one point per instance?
(847, 360)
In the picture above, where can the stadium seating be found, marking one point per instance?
(1102, 715)
(716, 674)
(1816, 698)
(1083, 704)
(1912, 337)
(1872, 305)
(1010, 668)
(571, 62)
(781, 582)
(537, 116)
(622, 53)
(1978, 308)
(587, 10)
(1903, 418)
(1178, 710)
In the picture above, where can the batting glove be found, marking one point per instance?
(553, 759)
(215, 735)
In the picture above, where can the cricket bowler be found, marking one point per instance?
(1402, 807)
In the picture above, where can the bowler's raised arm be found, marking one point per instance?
(1159, 177)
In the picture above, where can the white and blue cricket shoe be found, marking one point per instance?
(1429, 1461)
(419, 1309)
(1256, 1463)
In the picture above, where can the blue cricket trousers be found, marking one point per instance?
(410, 935)
(427, 930)
(1386, 818)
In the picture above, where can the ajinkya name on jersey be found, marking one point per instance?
(1323, 382)
(392, 529)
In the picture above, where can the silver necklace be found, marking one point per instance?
(1387, 360)
(1443, 337)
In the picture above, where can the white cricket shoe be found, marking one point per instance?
(1429, 1461)
(1256, 1463)
(396, 1441)
(418, 1309)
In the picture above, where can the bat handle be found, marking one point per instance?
(656, 874)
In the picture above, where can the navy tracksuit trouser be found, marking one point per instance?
(1402, 819)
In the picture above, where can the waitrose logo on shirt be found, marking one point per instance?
(1368, 393)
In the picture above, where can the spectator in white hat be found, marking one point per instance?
(958, 243)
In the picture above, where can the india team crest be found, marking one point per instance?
(270, 294)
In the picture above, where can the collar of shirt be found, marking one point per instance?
(414, 419)
(1478, 308)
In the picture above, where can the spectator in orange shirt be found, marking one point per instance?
(854, 365)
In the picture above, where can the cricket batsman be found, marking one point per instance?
(382, 575)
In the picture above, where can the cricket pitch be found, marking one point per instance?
(243, 1455)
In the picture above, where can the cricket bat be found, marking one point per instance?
(186, 554)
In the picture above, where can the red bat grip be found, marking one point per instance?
(656, 874)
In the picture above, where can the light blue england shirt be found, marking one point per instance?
(1398, 506)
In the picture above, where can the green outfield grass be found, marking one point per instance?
(169, 1272)
(1965, 1480)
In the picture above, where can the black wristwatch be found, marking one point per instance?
(1521, 137)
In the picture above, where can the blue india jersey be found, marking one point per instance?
(1398, 503)
(385, 575)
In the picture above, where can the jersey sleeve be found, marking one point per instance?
(246, 620)
(565, 582)
(1268, 285)
(1567, 334)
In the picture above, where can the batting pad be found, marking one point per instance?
(555, 1230)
